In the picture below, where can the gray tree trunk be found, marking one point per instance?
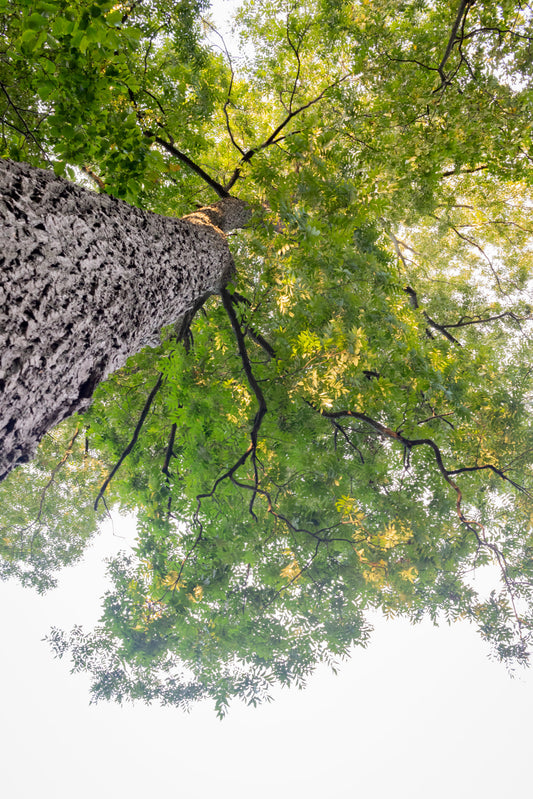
(85, 280)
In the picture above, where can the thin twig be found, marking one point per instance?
(228, 98)
(51, 479)
(273, 138)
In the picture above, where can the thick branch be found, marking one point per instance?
(461, 15)
(217, 187)
(252, 381)
(261, 411)
(259, 339)
(170, 451)
(94, 177)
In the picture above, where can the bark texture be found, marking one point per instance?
(85, 281)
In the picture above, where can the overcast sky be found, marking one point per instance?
(421, 714)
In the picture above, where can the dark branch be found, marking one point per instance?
(470, 171)
(340, 429)
(169, 452)
(410, 443)
(256, 337)
(227, 302)
(481, 321)
(182, 326)
(459, 20)
(133, 441)
(94, 177)
(273, 138)
(296, 50)
(217, 187)
(496, 471)
(440, 416)
(228, 98)
(431, 322)
(252, 382)
(465, 321)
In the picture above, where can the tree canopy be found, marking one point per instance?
(348, 426)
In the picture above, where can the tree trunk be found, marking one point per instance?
(85, 280)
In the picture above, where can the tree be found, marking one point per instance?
(346, 426)
(104, 278)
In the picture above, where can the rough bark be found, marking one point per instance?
(85, 280)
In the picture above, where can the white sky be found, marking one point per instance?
(421, 714)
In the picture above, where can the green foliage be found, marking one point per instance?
(47, 509)
(350, 428)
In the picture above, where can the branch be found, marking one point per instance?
(252, 382)
(296, 51)
(469, 171)
(440, 416)
(459, 19)
(339, 428)
(169, 452)
(441, 328)
(461, 323)
(187, 556)
(473, 526)
(477, 247)
(227, 302)
(256, 337)
(55, 470)
(500, 31)
(510, 314)
(273, 138)
(396, 244)
(496, 471)
(133, 441)
(227, 103)
(27, 133)
(411, 61)
(217, 187)
(410, 443)
(261, 341)
(94, 177)
(296, 576)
